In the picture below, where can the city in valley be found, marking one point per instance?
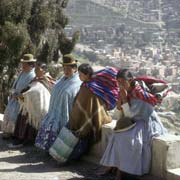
(143, 36)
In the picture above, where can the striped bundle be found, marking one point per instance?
(104, 85)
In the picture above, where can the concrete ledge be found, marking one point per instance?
(1, 117)
(165, 154)
(98, 149)
(1, 120)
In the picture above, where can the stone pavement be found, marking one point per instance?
(29, 163)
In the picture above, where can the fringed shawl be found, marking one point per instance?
(88, 115)
(35, 103)
(46, 80)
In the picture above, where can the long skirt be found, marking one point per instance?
(80, 149)
(23, 130)
(130, 150)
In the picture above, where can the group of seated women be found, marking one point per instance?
(79, 101)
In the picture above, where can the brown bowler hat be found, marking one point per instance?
(68, 59)
(28, 58)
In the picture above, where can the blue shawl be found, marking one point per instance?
(62, 98)
(20, 83)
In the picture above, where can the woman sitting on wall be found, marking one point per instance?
(61, 102)
(129, 149)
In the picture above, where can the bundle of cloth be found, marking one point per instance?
(157, 87)
(104, 85)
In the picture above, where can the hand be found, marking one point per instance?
(123, 95)
(21, 97)
(119, 103)
(14, 96)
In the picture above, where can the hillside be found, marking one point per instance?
(158, 13)
(82, 12)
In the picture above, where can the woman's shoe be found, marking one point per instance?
(105, 171)
(16, 144)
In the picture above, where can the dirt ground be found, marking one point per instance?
(29, 163)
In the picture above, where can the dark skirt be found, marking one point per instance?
(80, 149)
(23, 130)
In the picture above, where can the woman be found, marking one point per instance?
(130, 150)
(23, 80)
(85, 72)
(97, 95)
(61, 102)
(43, 76)
(34, 104)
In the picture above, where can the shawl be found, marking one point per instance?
(104, 85)
(88, 115)
(140, 93)
(12, 109)
(35, 103)
(23, 81)
(149, 89)
(46, 80)
(149, 79)
(61, 102)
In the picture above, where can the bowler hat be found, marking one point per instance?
(28, 58)
(68, 59)
(124, 124)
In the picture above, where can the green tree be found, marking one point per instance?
(32, 26)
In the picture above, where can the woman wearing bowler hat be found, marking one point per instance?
(23, 80)
(61, 102)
